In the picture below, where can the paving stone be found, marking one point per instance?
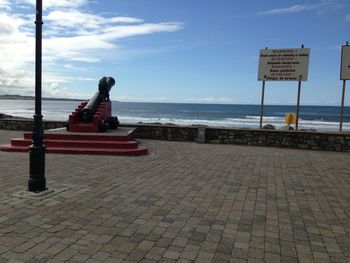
(56, 248)
(180, 241)
(146, 245)
(273, 258)
(136, 255)
(171, 254)
(80, 257)
(164, 242)
(22, 248)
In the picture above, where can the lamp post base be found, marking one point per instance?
(37, 181)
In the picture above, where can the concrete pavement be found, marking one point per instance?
(184, 202)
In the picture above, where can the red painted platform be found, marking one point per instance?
(113, 142)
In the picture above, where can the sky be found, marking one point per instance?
(192, 51)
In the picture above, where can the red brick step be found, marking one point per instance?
(118, 142)
(78, 143)
(141, 150)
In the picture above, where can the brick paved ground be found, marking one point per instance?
(184, 202)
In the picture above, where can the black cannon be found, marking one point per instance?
(104, 87)
(96, 114)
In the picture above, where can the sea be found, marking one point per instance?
(321, 118)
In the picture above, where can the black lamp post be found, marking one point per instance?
(37, 181)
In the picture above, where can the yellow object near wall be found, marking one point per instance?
(290, 118)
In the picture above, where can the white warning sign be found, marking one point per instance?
(284, 64)
(345, 63)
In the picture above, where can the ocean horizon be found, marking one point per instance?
(322, 118)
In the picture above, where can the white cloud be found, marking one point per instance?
(4, 4)
(288, 10)
(347, 18)
(55, 89)
(78, 48)
(86, 48)
(205, 100)
(321, 7)
(70, 35)
(84, 21)
(118, 32)
(16, 45)
(215, 100)
(58, 3)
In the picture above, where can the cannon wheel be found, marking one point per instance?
(113, 122)
(103, 126)
(116, 121)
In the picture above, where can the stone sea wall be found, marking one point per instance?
(330, 141)
(18, 124)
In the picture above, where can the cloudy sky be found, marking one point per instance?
(172, 51)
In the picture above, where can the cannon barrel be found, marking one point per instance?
(104, 87)
(90, 108)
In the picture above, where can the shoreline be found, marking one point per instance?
(19, 97)
(5, 116)
(266, 126)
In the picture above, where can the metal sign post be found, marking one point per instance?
(298, 106)
(298, 99)
(37, 181)
(342, 107)
(344, 75)
(262, 104)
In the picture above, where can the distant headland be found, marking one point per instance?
(20, 97)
